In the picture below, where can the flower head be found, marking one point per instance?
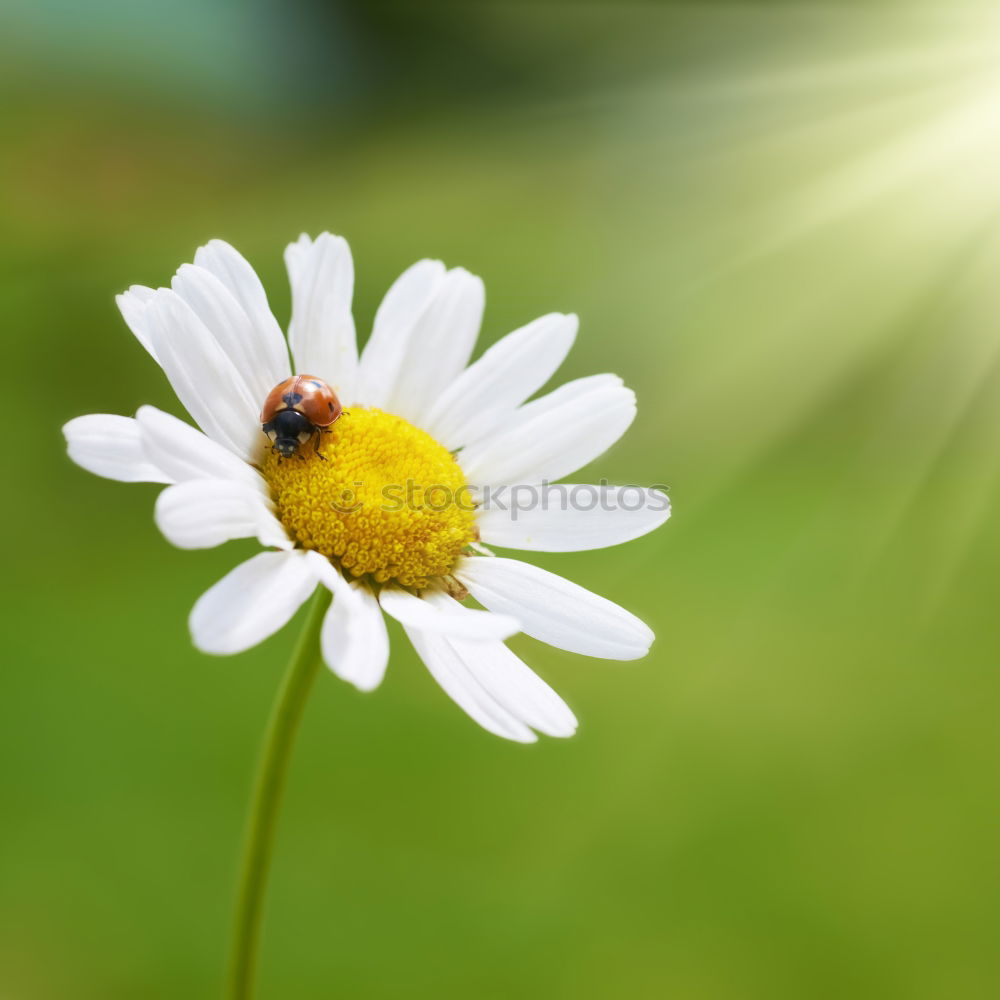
(391, 511)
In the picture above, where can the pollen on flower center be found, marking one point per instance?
(382, 498)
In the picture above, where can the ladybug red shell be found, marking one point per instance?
(300, 408)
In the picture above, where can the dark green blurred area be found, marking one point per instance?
(779, 225)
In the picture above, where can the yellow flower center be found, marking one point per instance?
(381, 498)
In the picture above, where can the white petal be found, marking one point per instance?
(321, 332)
(184, 453)
(251, 602)
(404, 304)
(244, 343)
(111, 446)
(553, 610)
(354, 639)
(436, 611)
(504, 377)
(132, 305)
(203, 513)
(235, 272)
(449, 669)
(516, 686)
(570, 517)
(439, 346)
(203, 376)
(555, 435)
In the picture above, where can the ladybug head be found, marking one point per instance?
(286, 447)
(287, 430)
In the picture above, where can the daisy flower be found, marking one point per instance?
(393, 511)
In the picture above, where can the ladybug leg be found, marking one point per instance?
(316, 440)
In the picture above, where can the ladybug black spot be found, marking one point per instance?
(292, 398)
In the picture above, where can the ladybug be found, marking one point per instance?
(300, 408)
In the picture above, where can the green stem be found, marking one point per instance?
(268, 787)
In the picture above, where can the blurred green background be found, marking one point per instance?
(781, 225)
